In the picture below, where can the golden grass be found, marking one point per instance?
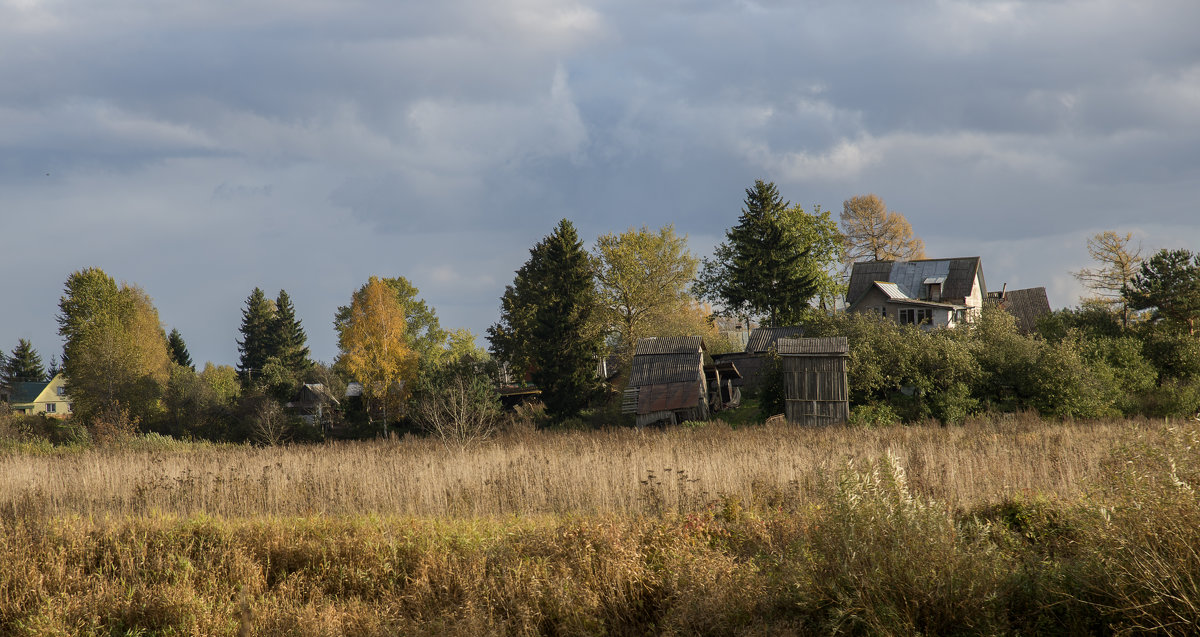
(1020, 527)
(617, 471)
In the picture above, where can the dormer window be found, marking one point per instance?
(933, 288)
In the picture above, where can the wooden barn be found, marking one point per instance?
(667, 381)
(750, 362)
(814, 372)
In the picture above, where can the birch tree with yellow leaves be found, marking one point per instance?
(375, 352)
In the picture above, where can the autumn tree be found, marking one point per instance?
(24, 365)
(116, 358)
(374, 350)
(871, 232)
(423, 332)
(546, 323)
(642, 280)
(1169, 283)
(178, 350)
(1117, 265)
(768, 266)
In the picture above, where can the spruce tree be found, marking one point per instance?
(258, 336)
(545, 322)
(178, 350)
(764, 268)
(289, 338)
(23, 366)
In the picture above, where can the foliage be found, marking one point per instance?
(770, 264)
(178, 350)
(772, 389)
(23, 366)
(458, 405)
(375, 351)
(546, 322)
(642, 280)
(199, 405)
(1065, 384)
(873, 233)
(1092, 320)
(289, 340)
(116, 358)
(258, 336)
(1169, 282)
(1117, 265)
(423, 332)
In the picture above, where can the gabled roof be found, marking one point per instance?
(763, 338)
(26, 392)
(957, 276)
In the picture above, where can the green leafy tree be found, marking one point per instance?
(258, 336)
(115, 351)
(1169, 283)
(546, 322)
(765, 268)
(423, 332)
(24, 365)
(178, 350)
(642, 280)
(290, 341)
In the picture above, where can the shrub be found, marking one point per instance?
(458, 407)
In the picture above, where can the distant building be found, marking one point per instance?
(924, 292)
(41, 398)
(1027, 305)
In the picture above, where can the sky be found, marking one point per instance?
(202, 148)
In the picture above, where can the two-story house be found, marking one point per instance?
(924, 292)
(42, 398)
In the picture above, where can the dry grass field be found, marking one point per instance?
(1019, 526)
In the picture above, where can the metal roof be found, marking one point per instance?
(669, 345)
(668, 396)
(655, 369)
(762, 338)
(26, 392)
(824, 346)
(958, 275)
(891, 290)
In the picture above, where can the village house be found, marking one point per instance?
(1027, 305)
(41, 398)
(924, 292)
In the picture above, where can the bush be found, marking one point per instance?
(1065, 385)
(873, 415)
(459, 407)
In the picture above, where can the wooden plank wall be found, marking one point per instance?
(817, 391)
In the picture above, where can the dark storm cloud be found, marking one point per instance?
(201, 149)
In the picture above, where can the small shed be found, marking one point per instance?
(814, 371)
(667, 381)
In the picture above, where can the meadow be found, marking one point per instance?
(1007, 526)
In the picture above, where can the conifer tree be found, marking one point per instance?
(258, 335)
(178, 350)
(289, 338)
(764, 268)
(23, 366)
(546, 322)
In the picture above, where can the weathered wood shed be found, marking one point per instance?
(750, 362)
(667, 381)
(814, 371)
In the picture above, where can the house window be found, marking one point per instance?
(62, 391)
(915, 316)
(51, 408)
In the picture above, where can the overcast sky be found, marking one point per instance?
(202, 148)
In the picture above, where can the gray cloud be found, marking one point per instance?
(201, 149)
